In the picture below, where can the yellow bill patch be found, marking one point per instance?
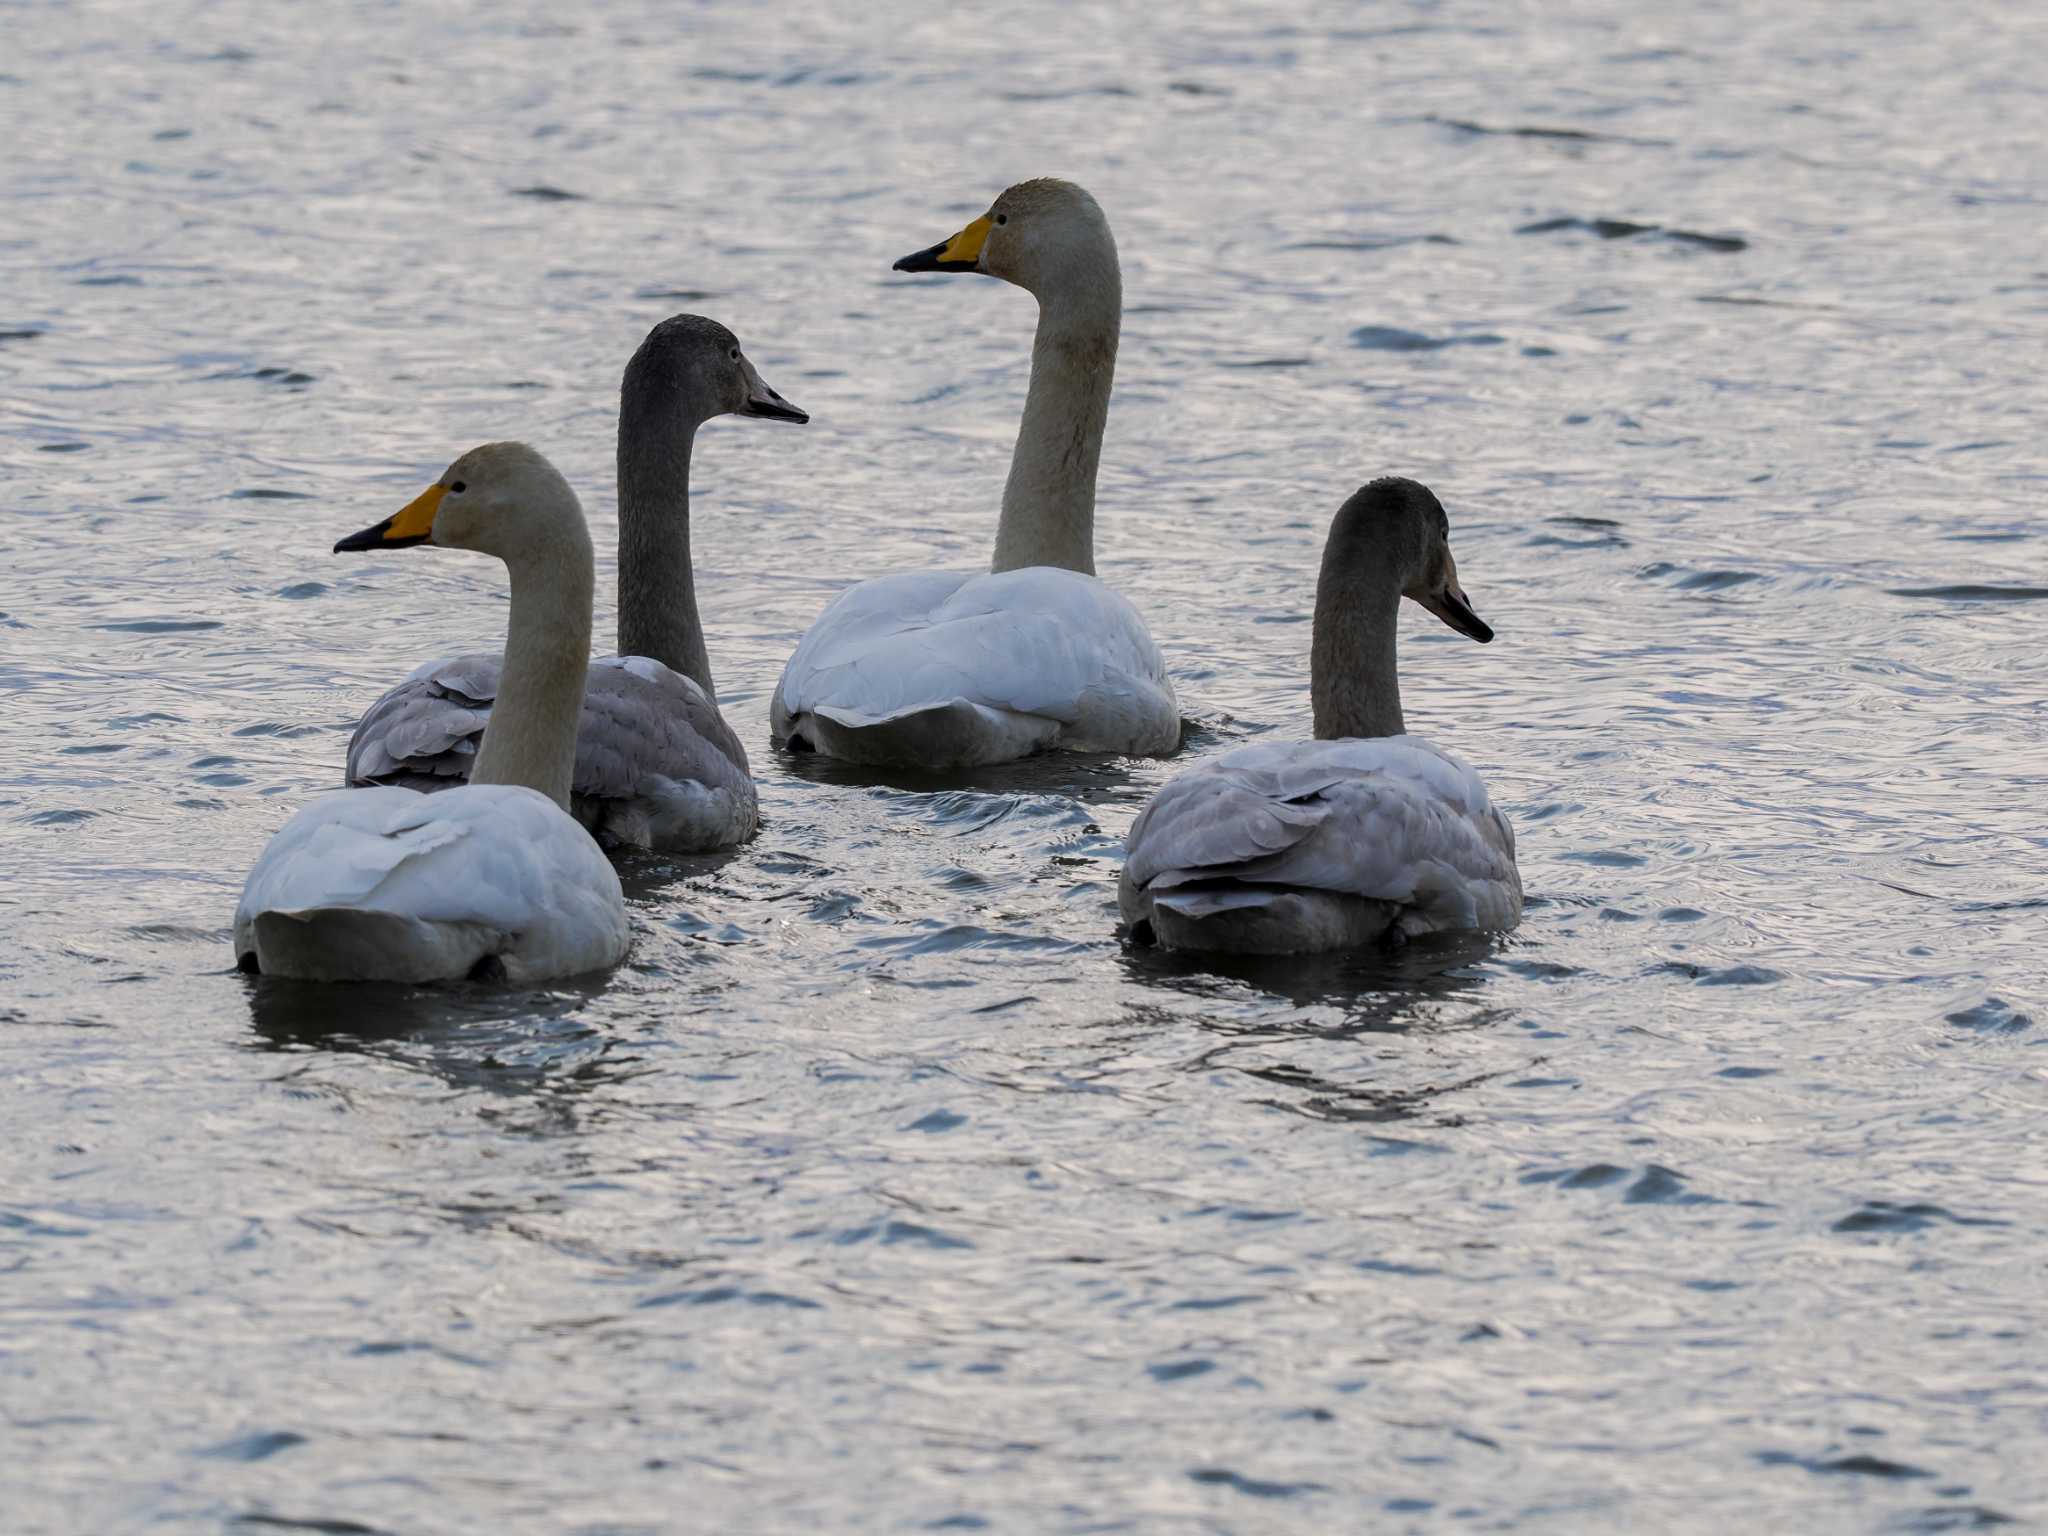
(416, 520)
(966, 246)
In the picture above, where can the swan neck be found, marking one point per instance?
(531, 739)
(1353, 675)
(657, 583)
(1049, 500)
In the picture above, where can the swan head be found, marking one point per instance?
(690, 369)
(1401, 526)
(503, 499)
(1038, 234)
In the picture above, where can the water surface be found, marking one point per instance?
(883, 1188)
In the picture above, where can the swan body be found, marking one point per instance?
(395, 885)
(944, 669)
(657, 766)
(950, 669)
(1365, 832)
(492, 878)
(1281, 847)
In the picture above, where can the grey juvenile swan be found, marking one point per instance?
(656, 764)
(1284, 847)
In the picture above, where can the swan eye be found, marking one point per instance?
(458, 487)
(1002, 218)
(735, 354)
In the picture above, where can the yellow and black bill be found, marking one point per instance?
(412, 524)
(962, 253)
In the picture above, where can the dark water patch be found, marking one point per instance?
(543, 193)
(1541, 131)
(111, 280)
(1919, 1216)
(1745, 1073)
(280, 730)
(1607, 858)
(1198, 88)
(1950, 1517)
(1368, 242)
(958, 1523)
(1624, 229)
(1212, 1303)
(1973, 593)
(1179, 1370)
(93, 749)
(1843, 1466)
(1073, 94)
(282, 376)
(62, 447)
(1995, 1015)
(1698, 581)
(160, 626)
(1252, 1487)
(265, 493)
(299, 590)
(889, 1234)
(717, 1295)
(318, 1523)
(1392, 338)
(937, 1123)
(1681, 915)
(677, 295)
(1272, 362)
(63, 818)
(259, 1447)
(1592, 1176)
(6, 335)
(1658, 1185)
(1727, 976)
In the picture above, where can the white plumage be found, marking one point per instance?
(950, 669)
(401, 886)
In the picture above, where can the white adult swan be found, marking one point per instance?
(656, 764)
(493, 878)
(948, 669)
(1284, 847)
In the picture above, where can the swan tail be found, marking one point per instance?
(350, 944)
(1231, 918)
(959, 733)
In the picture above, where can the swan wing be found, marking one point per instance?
(657, 765)
(1390, 819)
(1041, 642)
(392, 884)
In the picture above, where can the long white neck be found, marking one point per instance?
(1049, 499)
(1353, 677)
(657, 582)
(531, 739)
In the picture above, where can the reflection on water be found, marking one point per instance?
(885, 1187)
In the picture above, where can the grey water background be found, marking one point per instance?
(883, 1189)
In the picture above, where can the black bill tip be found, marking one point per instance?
(374, 537)
(928, 260)
(774, 408)
(1457, 613)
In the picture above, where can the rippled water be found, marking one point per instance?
(883, 1189)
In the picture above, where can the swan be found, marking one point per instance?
(1365, 832)
(494, 878)
(656, 764)
(950, 669)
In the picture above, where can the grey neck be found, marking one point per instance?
(657, 584)
(1353, 677)
(1049, 499)
(532, 735)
